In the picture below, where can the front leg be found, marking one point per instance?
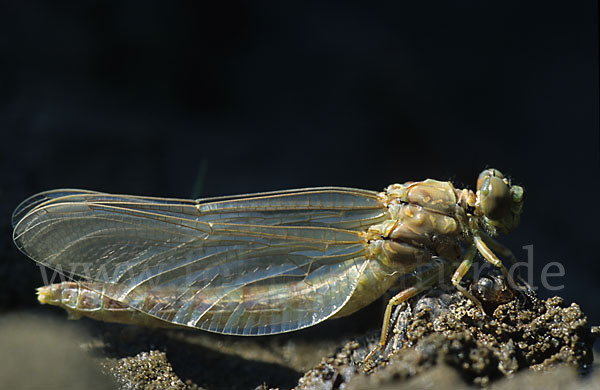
(461, 271)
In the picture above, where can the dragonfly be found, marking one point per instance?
(264, 263)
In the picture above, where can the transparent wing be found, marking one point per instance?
(256, 264)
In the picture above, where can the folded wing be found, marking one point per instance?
(256, 264)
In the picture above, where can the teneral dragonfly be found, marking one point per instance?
(263, 263)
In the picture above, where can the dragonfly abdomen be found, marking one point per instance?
(86, 300)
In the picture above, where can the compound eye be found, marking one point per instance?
(516, 194)
(491, 172)
(495, 197)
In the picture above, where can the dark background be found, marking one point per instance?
(242, 97)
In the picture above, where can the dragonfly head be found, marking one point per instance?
(499, 202)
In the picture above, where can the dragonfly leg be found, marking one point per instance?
(461, 271)
(490, 256)
(397, 299)
(505, 252)
(420, 283)
(499, 248)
